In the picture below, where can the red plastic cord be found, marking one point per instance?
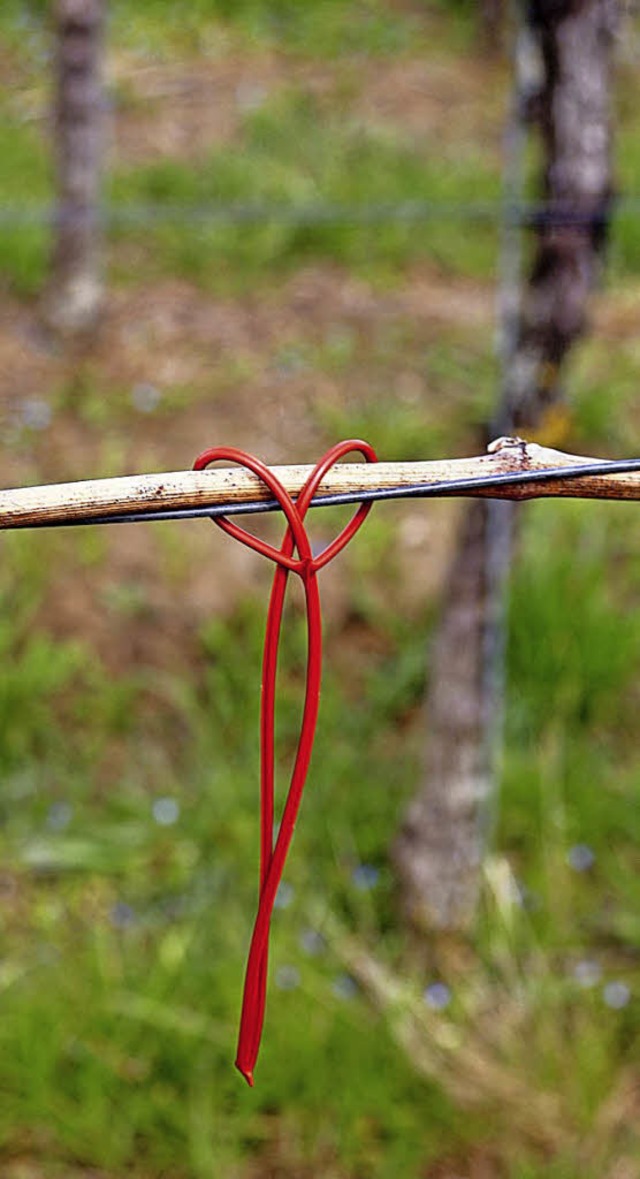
(306, 566)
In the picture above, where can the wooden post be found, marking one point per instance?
(573, 111)
(74, 293)
(439, 850)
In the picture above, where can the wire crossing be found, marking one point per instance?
(512, 469)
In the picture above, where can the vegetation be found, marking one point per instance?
(128, 714)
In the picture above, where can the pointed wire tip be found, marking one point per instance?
(247, 1074)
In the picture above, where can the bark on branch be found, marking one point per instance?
(65, 503)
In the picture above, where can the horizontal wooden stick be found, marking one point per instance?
(66, 503)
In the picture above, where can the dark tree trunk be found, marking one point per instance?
(439, 850)
(74, 293)
(573, 110)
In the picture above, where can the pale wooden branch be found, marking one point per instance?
(64, 503)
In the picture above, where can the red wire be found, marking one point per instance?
(306, 566)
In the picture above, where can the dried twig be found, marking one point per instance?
(234, 489)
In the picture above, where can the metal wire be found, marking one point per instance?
(364, 495)
(532, 214)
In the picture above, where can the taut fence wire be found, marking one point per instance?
(526, 214)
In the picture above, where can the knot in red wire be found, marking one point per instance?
(306, 566)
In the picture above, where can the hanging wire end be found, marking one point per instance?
(247, 1073)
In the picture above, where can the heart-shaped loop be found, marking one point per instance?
(247, 461)
(294, 511)
(310, 488)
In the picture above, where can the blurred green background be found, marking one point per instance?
(129, 677)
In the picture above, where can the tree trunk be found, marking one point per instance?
(73, 297)
(492, 25)
(573, 109)
(439, 851)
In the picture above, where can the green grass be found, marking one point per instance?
(294, 152)
(427, 424)
(23, 28)
(23, 246)
(294, 156)
(626, 226)
(573, 768)
(319, 28)
(121, 987)
(329, 28)
(297, 155)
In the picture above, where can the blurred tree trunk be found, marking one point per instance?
(492, 25)
(439, 850)
(573, 111)
(74, 293)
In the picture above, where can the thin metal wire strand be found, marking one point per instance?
(532, 214)
(440, 489)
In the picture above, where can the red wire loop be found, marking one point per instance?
(306, 566)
